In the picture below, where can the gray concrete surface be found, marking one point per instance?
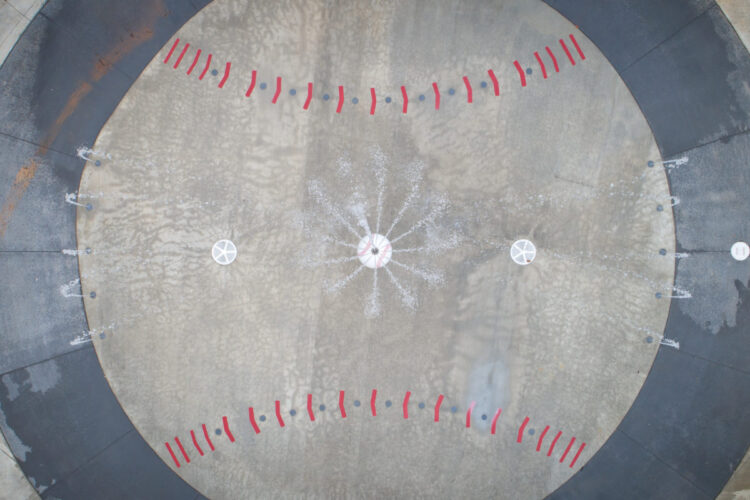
(562, 162)
(15, 15)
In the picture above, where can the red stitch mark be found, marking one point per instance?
(278, 414)
(341, 99)
(252, 84)
(309, 408)
(541, 439)
(195, 442)
(278, 90)
(469, 93)
(309, 95)
(174, 457)
(341, 404)
(578, 47)
(251, 416)
(437, 408)
(468, 414)
(205, 70)
(182, 450)
(437, 95)
(567, 52)
(406, 98)
(195, 61)
(374, 101)
(521, 429)
(372, 402)
(554, 59)
(520, 73)
(494, 420)
(226, 75)
(565, 454)
(541, 64)
(182, 54)
(554, 442)
(171, 51)
(495, 83)
(226, 429)
(208, 439)
(578, 454)
(406, 404)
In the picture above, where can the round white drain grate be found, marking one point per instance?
(740, 251)
(374, 251)
(224, 252)
(523, 252)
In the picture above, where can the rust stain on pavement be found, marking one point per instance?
(101, 67)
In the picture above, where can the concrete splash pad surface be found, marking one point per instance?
(562, 341)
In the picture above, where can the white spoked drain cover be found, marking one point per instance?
(740, 251)
(374, 251)
(224, 252)
(523, 252)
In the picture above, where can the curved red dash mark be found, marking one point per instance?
(578, 47)
(383, 253)
(521, 73)
(182, 54)
(521, 429)
(578, 454)
(278, 414)
(541, 439)
(251, 416)
(174, 457)
(374, 99)
(565, 453)
(341, 404)
(341, 99)
(554, 442)
(468, 414)
(195, 442)
(226, 429)
(166, 60)
(567, 52)
(437, 95)
(495, 83)
(469, 93)
(208, 439)
(278, 90)
(252, 83)
(309, 408)
(226, 75)
(182, 450)
(554, 59)
(541, 64)
(195, 61)
(494, 420)
(309, 96)
(372, 402)
(205, 70)
(437, 408)
(406, 98)
(406, 404)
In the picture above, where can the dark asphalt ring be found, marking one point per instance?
(683, 436)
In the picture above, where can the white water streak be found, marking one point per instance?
(372, 309)
(407, 298)
(431, 277)
(71, 198)
(342, 283)
(320, 197)
(430, 217)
